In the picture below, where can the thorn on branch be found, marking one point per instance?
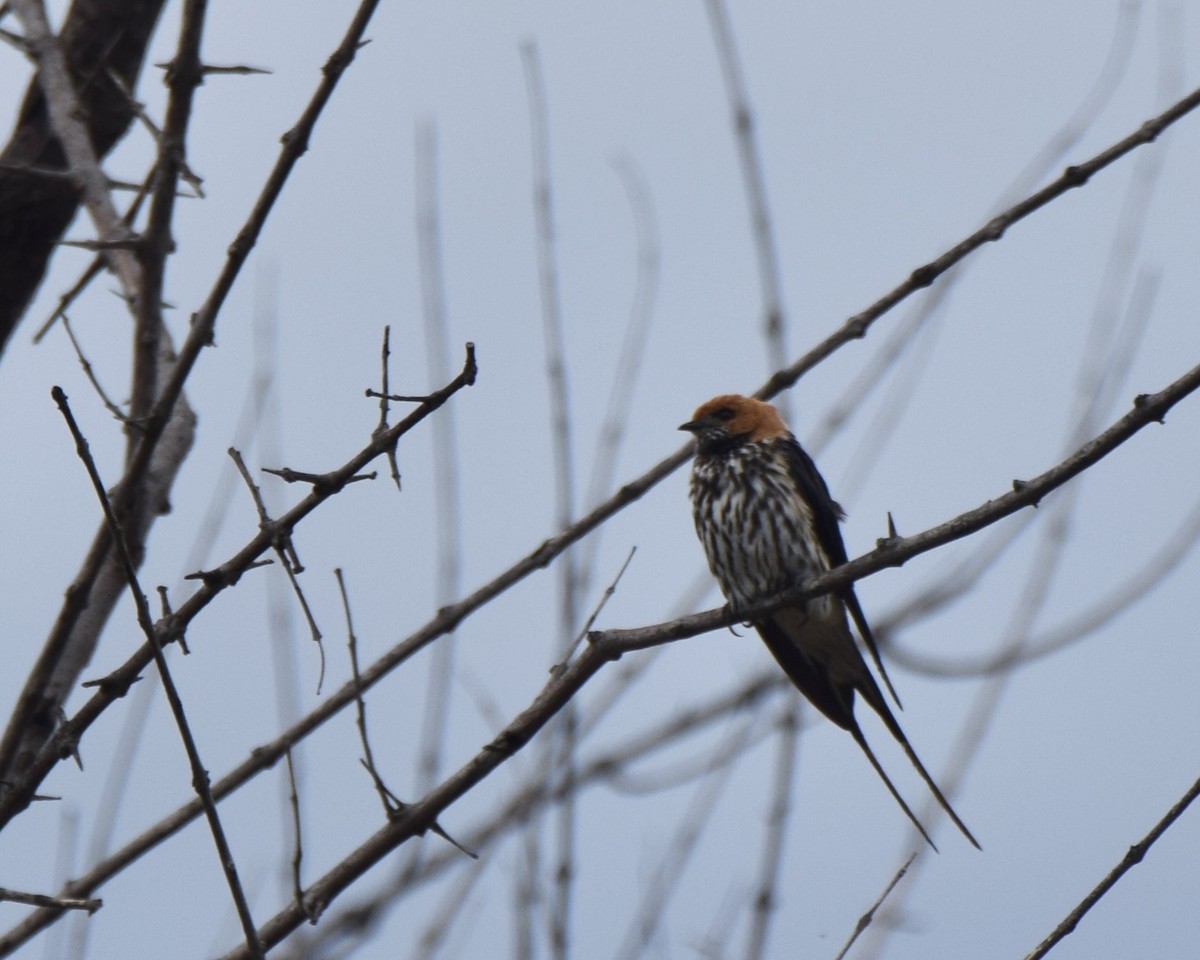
(321, 482)
(91, 905)
(209, 69)
(995, 229)
(436, 828)
(400, 397)
(166, 629)
(1020, 486)
(1075, 176)
(15, 40)
(1142, 400)
(923, 276)
(112, 685)
(892, 536)
(214, 579)
(71, 746)
(385, 396)
(125, 243)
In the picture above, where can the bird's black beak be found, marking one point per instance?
(692, 426)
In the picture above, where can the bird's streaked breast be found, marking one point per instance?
(756, 528)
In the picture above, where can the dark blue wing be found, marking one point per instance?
(827, 514)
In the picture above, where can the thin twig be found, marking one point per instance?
(209, 525)
(213, 582)
(285, 550)
(385, 397)
(56, 903)
(558, 755)
(865, 920)
(200, 780)
(776, 832)
(774, 324)
(90, 373)
(600, 604)
(1135, 855)
(447, 507)
(629, 360)
(297, 832)
(393, 806)
(391, 803)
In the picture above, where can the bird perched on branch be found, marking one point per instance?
(767, 522)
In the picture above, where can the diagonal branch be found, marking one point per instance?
(200, 779)
(1074, 176)
(611, 645)
(114, 686)
(99, 39)
(66, 113)
(895, 551)
(1132, 858)
(165, 437)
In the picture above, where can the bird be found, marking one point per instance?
(767, 521)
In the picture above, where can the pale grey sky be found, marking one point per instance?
(887, 133)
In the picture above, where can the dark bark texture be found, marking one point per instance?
(98, 36)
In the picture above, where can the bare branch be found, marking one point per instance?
(1073, 177)
(865, 920)
(55, 903)
(1131, 859)
(774, 328)
(892, 552)
(213, 582)
(776, 832)
(200, 781)
(66, 111)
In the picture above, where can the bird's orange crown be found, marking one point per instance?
(740, 417)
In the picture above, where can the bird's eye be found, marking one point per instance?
(725, 414)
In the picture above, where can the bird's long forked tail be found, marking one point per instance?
(929, 781)
(889, 721)
(856, 732)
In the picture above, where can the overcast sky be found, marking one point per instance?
(888, 132)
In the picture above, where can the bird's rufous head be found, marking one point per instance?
(734, 418)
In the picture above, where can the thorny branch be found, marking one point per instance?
(854, 328)
(1074, 176)
(200, 779)
(213, 582)
(66, 115)
(895, 551)
(55, 903)
(157, 450)
(611, 645)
